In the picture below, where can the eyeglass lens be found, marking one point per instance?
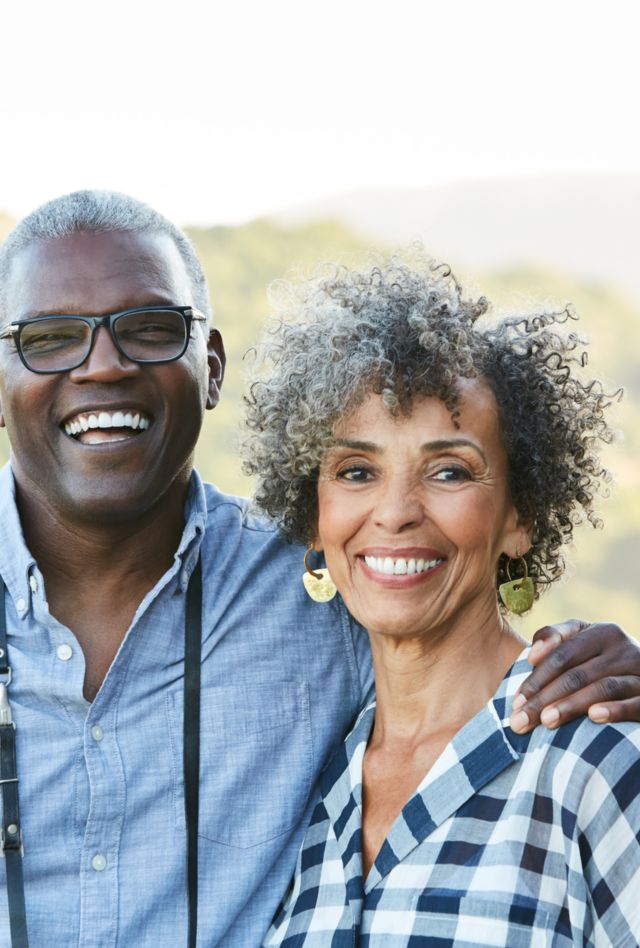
(58, 343)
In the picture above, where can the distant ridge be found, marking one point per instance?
(583, 225)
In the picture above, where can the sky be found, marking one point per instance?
(217, 113)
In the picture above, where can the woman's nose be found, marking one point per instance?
(399, 505)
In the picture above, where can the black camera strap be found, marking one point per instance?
(11, 839)
(191, 749)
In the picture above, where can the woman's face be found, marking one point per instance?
(414, 512)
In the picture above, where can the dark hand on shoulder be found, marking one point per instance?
(580, 668)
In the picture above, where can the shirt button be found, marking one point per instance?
(33, 582)
(21, 604)
(99, 862)
(64, 652)
(97, 733)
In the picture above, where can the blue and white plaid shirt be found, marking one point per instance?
(513, 841)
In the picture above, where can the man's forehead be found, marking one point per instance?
(96, 272)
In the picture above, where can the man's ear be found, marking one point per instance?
(217, 360)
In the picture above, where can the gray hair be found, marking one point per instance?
(404, 329)
(99, 212)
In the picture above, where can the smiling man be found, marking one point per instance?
(107, 364)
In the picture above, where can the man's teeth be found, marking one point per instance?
(107, 419)
(399, 566)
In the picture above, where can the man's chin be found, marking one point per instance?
(115, 503)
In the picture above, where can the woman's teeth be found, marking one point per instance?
(106, 419)
(399, 566)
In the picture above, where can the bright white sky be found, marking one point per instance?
(220, 112)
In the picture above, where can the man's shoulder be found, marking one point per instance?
(219, 504)
(235, 528)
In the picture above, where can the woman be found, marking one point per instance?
(439, 464)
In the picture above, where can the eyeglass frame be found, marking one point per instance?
(189, 313)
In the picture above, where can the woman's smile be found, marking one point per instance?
(400, 568)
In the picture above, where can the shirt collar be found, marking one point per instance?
(481, 750)
(17, 563)
(195, 517)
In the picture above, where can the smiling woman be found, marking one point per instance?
(440, 466)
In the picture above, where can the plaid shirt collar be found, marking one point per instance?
(481, 750)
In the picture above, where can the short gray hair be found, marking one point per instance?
(98, 212)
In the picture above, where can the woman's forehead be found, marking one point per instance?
(476, 408)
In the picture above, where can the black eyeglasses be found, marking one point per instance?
(146, 334)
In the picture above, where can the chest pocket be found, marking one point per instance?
(482, 922)
(256, 764)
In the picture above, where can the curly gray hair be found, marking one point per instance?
(403, 330)
(98, 211)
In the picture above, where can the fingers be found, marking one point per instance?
(579, 691)
(549, 637)
(613, 711)
(578, 666)
(622, 654)
(567, 657)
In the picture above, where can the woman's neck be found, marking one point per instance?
(437, 682)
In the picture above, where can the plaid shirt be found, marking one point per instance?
(514, 841)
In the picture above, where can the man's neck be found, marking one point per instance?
(77, 552)
(97, 574)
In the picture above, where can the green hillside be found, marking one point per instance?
(241, 261)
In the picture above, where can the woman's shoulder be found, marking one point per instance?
(597, 745)
(591, 771)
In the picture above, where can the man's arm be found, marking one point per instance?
(581, 668)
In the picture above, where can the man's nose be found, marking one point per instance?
(104, 363)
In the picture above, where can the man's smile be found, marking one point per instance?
(100, 426)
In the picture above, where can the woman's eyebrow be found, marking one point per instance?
(442, 444)
(446, 444)
(355, 445)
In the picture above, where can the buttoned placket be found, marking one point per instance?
(101, 794)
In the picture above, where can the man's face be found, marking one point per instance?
(117, 474)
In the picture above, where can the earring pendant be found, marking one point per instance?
(318, 583)
(517, 594)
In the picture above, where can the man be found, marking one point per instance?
(102, 520)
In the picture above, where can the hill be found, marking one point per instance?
(584, 226)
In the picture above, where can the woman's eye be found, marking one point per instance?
(355, 474)
(452, 473)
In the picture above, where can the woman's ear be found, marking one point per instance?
(519, 541)
(516, 540)
(216, 359)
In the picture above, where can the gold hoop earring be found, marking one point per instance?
(318, 583)
(517, 594)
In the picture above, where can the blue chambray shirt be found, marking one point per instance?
(101, 790)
